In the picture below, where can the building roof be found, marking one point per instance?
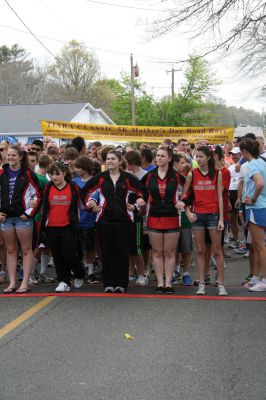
(25, 118)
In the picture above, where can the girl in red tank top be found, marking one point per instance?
(203, 191)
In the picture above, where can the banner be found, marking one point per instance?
(143, 134)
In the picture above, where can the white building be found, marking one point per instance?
(22, 121)
(241, 131)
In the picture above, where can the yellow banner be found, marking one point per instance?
(143, 134)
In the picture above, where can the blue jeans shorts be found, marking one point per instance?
(206, 221)
(16, 223)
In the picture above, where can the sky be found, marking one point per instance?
(113, 32)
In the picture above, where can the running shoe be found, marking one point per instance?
(142, 280)
(132, 278)
(169, 290)
(187, 281)
(208, 279)
(92, 279)
(196, 282)
(201, 289)
(109, 289)
(247, 278)
(252, 282)
(160, 290)
(240, 250)
(62, 287)
(78, 283)
(222, 291)
(33, 280)
(2, 277)
(174, 280)
(178, 275)
(234, 244)
(246, 255)
(259, 287)
(119, 289)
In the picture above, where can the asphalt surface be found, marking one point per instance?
(75, 347)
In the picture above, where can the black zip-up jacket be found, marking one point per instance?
(158, 207)
(26, 188)
(113, 198)
(74, 218)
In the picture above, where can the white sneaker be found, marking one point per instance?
(62, 287)
(222, 291)
(201, 289)
(252, 282)
(258, 287)
(142, 280)
(78, 283)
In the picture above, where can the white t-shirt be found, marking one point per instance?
(234, 177)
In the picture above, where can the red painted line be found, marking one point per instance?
(137, 296)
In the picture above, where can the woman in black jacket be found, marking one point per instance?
(19, 186)
(60, 226)
(107, 194)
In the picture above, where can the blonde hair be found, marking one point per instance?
(4, 143)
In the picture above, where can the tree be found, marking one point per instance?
(235, 25)
(74, 71)
(20, 80)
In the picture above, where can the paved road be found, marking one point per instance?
(75, 348)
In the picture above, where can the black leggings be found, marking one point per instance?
(63, 243)
(114, 241)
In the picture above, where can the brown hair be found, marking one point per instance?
(24, 162)
(133, 157)
(58, 167)
(85, 163)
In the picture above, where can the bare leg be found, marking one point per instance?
(257, 234)
(233, 224)
(215, 236)
(25, 239)
(139, 262)
(169, 250)
(199, 235)
(11, 243)
(157, 244)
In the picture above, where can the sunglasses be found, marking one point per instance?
(36, 149)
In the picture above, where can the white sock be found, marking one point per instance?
(90, 269)
(44, 263)
(185, 273)
(177, 268)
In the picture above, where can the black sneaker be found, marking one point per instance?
(92, 279)
(109, 289)
(169, 290)
(160, 290)
(120, 290)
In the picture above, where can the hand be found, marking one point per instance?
(220, 225)
(96, 209)
(249, 201)
(33, 203)
(237, 167)
(180, 205)
(91, 204)
(192, 217)
(23, 217)
(140, 202)
(2, 217)
(130, 207)
(238, 203)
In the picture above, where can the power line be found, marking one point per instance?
(33, 34)
(131, 7)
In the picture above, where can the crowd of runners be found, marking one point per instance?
(112, 214)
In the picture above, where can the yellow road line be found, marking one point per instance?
(26, 315)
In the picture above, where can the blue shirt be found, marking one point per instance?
(150, 168)
(255, 166)
(86, 218)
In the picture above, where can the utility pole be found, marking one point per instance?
(173, 81)
(133, 106)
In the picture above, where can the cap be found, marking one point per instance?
(235, 150)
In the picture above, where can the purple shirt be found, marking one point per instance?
(12, 176)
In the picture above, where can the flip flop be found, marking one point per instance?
(23, 290)
(9, 290)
